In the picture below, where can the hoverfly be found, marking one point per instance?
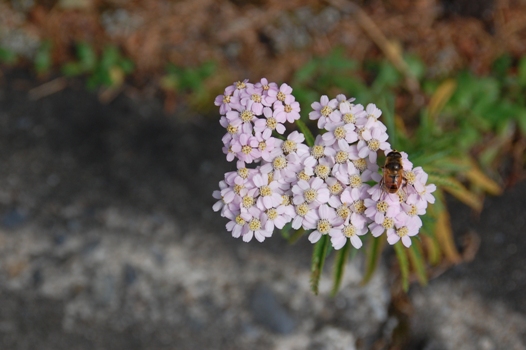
(393, 173)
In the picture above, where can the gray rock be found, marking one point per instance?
(451, 315)
(269, 312)
(13, 218)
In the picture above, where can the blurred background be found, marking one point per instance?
(110, 148)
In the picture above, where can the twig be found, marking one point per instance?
(376, 35)
(470, 246)
(48, 88)
(108, 94)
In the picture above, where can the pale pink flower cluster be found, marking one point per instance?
(399, 214)
(258, 199)
(325, 189)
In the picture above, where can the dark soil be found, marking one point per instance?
(498, 271)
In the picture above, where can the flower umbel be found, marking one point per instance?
(333, 187)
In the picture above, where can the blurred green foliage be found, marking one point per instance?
(190, 82)
(43, 60)
(109, 69)
(7, 56)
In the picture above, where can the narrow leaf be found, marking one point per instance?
(442, 94)
(309, 139)
(466, 197)
(418, 263)
(296, 234)
(432, 248)
(522, 71)
(404, 264)
(463, 194)
(387, 105)
(286, 231)
(318, 260)
(374, 249)
(477, 177)
(444, 235)
(339, 267)
(442, 181)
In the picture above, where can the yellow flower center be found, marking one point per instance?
(262, 146)
(359, 206)
(226, 99)
(254, 224)
(343, 211)
(281, 96)
(302, 175)
(238, 188)
(246, 116)
(240, 221)
(355, 181)
(322, 171)
(266, 191)
(272, 213)
(349, 118)
(317, 151)
(413, 211)
(340, 133)
(256, 98)
(410, 177)
(337, 188)
(285, 200)
(402, 231)
(302, 209)
(324, 226)
(243, 172)
(360, 164)
(349, 230)
(341, 157)
(248, 202)
(289, 146)
(325, 111)
(246, 149)
(288, 109)
(388, 223)
(310, 195)
(373, 145)
(382, 206)
(272, 123)
(360, 132)
(240, 85)
(231, 129)
(279, 163)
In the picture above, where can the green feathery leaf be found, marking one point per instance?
(297, 234)
(374, 249)
(318, 260)
(404, 264)
(339, 267)
(418, 263)
(309, 139)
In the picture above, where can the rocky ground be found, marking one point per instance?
(108, 241)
